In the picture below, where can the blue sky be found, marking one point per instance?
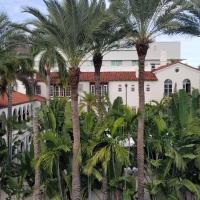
(190, 46)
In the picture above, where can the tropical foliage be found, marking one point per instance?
(105, 147)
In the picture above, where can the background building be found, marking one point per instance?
(164, 74)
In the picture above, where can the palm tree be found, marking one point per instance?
(88, 101)
(12, 68)
(69, 27)
(171, 144)
(106, 149)
(48, 55)
(27, 61)
(192, 21)
(145, 20)
(10, 38)
(103, 39)
(54, 137)
(54, 146)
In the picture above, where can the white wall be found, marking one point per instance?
(20, 87)
(43, 89)
(159, 53)
(83, 87)
(172, 50)
(132, 97)
(126, 65)
(177, 79)
(156, 87)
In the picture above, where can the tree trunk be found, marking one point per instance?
(105, 186)
(118, 194)
(97, 61)
(37, 194)
(141, 51)
(48, 85)
(74, 74)
(188, 196)
(89, 188)
(9, 124)
(59, 178)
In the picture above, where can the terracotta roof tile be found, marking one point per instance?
(19, 98)
(110, 76)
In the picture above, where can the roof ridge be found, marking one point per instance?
(173, 63)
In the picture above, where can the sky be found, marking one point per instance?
(190, 46)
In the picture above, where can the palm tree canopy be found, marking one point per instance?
(10, 37)
(147, 19)
(13, 68)
(107, 33)
(192, 20)
(69, 25)
(41, 43)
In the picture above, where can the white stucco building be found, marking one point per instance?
(22, 112)
(164, 73)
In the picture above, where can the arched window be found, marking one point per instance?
(15, 114)
(2, 120)
(187, 85)
(27, 111)
(19, 115)
(24, 113)
(22, 147)
(167, 87)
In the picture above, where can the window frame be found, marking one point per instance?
(38, 88)
(132, 88)
(148, 89)
(119, 88)
(116, 62)
(186, 84)
(134, 62)
(56, 91)
(168, 87)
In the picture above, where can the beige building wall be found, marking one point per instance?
(177, 78)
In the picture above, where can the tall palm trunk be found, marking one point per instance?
(89, 188)
(9, 128)
(74, 74)
(97, 61)
(105, 186)
(141, 51)
(37, 195)
(48, 84)
(59, 178)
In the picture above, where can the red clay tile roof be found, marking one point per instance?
(110, 76)
(171, 64)
(19, 98)
(149, 76)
